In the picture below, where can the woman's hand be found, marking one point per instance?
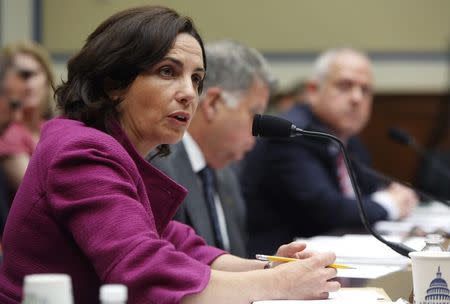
(290, 250)
(293, 250)
(308, 278)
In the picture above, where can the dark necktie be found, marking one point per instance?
(343, 178)
(209, 181)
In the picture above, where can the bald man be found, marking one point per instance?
(301, 187)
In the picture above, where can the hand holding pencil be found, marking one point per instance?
(309, 278)
(273, 258)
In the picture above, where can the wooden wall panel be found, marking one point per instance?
(417, 114)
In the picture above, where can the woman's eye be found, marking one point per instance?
(196, 79)
(166, 71)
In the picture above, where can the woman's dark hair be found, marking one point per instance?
(123, 46)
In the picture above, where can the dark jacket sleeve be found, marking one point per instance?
(288, 183)
(306, 181)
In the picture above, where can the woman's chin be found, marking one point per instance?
(174, 139)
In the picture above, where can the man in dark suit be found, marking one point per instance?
(236, 87)
(300, 186)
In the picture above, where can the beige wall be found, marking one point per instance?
(276, 26)
(295, 27)
(16, 20)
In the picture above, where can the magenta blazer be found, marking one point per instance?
(92, 207)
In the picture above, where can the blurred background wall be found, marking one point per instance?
(408, 41)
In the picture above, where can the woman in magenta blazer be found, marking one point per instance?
(92, 207)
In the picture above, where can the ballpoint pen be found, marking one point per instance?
(273, 258)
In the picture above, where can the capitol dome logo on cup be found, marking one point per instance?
(431, 276)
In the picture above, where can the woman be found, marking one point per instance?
(92, 207)
(19, 141)
(12, 89)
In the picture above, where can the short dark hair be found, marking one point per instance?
(123, 46)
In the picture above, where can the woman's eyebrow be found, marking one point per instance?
(180, 64)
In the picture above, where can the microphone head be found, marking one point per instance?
(271, 126)
(400, 136)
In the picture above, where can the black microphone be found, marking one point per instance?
(404, 138)
(272, 126)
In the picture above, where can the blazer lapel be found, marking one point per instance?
(194, 204)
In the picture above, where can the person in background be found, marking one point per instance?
(90, 194)
(19, 141)
(300, 187)
(284, 99)
(12, 90)
(433, 172)
(237, 87)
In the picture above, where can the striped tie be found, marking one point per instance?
(343, 178)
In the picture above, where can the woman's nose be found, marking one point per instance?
(187, 92)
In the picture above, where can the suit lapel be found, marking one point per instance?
(194, 204)
(231, 202)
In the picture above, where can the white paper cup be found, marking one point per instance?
(431, 277)
(48, 289)
(113, 293)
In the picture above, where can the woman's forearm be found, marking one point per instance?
(307, 278)
(228, 262)
(233, 287)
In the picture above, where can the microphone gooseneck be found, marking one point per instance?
(266, 126)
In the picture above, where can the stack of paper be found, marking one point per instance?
(429, 218)
(370, 257)
(345, 295)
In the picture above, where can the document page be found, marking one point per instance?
(369, 257)
(343, 296)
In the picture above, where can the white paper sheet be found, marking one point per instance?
(429, 218)
(343, 296)
(370, 257)
(362, 249)
(366, 271)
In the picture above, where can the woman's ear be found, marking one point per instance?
(110, 88)
(210, 102)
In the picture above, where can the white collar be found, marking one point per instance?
(194, 153)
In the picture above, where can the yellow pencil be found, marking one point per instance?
(273, 258)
